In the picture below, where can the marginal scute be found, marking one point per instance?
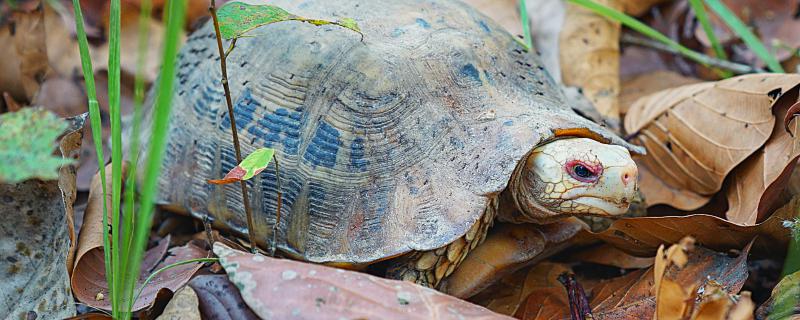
(382, 144)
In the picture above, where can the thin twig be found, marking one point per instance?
(738, 68)
(222, 57)
(272, 247)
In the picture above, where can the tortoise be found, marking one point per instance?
(403, 146)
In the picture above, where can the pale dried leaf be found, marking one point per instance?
(589, 56)
(183, 306)
(656, 191)
(756, 185)
(644, 84)
(684, 150)
(278, 289)
(30, 41)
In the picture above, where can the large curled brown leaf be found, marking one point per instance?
(696, 134)
(755, 188)
(632, 297)
(282, 289)
(642, 236)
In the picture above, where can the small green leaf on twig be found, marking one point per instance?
(27, 142)
(236, 19)
(252, 165)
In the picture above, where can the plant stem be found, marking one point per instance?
(274, 245)
(222, 57)
(704, 59)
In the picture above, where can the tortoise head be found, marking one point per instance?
(573, 176)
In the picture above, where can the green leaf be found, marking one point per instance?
(252, 165)
(237, 18)
(27, 142)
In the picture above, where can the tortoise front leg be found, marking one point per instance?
(429, 268)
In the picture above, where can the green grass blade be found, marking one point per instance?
(145, 13)
(745, 34)
(116, 155)
(170, 266)
(526, 26)
(639, 27)
(702, 17)
(160, 126)
(97, 130)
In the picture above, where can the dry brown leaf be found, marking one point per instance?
(508, 247)
(90, 237)
(279, 289)
(183, 306)
(670, 296)
(24, 64)
(30, 42)
(684, 150)
(35, 246)
(642, 236)
(608, 255)
(89, 279)
(88, 273)
(589, 57)
(644, 84)
(507, 295)
(220, 299)
(656, 191)
(632, 297)
(755, 188)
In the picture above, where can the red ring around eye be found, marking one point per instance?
(582, 171)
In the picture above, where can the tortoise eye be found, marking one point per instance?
(583, 172)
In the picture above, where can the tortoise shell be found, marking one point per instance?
(388, 145)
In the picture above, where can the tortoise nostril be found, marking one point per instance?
(626, 178)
